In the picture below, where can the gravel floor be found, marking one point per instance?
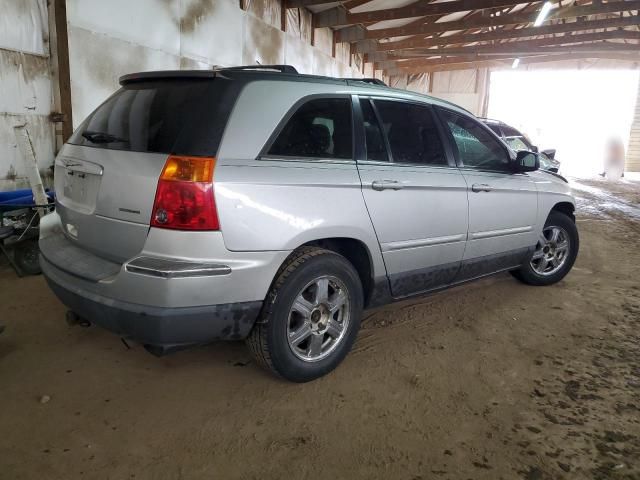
(493, 380)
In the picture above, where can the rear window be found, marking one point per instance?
(179, 116)
(320, 128)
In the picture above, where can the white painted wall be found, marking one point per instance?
(25, 88)
(110, 39)
(467, 88)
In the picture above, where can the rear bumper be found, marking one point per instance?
(152, 326)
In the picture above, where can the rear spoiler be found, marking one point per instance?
(173, 74)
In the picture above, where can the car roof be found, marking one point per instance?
(286, 73)
(491, 120)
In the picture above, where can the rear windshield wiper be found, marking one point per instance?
(101, 137)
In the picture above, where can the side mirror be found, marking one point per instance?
(534, 149)
(527, 161)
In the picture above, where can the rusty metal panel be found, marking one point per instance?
(25, 83)
(24, 26)
(262, 44)
(25, 88)
(211, 32)
(41, 132)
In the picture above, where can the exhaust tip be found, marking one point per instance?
(73, 318)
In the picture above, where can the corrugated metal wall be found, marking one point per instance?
(25, 88)
(632, 163)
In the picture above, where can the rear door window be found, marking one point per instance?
(412, 133)
(376, 148)
(320, 128)
(182, 116)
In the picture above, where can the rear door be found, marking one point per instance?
(503, 205)
(415, 195)
(106, 176)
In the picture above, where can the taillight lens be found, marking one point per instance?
(184, 198)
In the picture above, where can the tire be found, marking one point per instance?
(25, 255)
(530, 273)
(281, 323)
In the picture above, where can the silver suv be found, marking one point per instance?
(259, 204)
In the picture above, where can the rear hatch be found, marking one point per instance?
(106, 176)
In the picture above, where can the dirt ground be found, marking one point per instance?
(493, 380)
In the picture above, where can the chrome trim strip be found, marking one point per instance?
(422, 242)
(170, 268)
(500, 233)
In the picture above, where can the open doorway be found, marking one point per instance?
(574, 111)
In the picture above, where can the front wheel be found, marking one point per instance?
(555, 252)
(311, 316)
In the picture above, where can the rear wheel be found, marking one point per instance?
(311, 316)
(26, 257)
(555, 252)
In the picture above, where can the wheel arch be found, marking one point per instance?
(566, 208)
(358, 254)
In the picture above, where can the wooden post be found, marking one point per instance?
(632, 162)
(64, 76)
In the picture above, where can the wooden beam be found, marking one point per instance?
(543, 42)
(64, 75)
(507, 35)
(305, 3)
(512, 51)
(352, 34)
(506, 62)
(337, 17)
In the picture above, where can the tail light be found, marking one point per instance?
(184, 197)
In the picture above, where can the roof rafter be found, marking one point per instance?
(510, 51)
(462, 64)
(351, 34)
(339, 16)
(411, 43)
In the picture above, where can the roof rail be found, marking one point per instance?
(372, 81)
(277, 68)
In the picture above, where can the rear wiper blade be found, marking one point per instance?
(101, 137)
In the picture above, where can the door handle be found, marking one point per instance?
(380, 185)
(481, 187)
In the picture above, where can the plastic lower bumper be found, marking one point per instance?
(156, 326)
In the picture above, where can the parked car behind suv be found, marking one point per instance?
(258, 204)
(519, 141)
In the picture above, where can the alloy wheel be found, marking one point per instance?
(551, 252)
(318, 318)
